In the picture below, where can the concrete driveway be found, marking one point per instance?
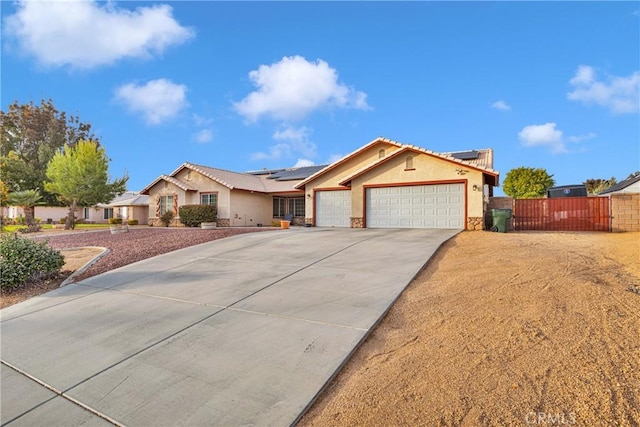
(240, 331)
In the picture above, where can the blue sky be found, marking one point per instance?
(252, 85)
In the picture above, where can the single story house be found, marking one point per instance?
(383, 184)
(629, 185)
(129, 205)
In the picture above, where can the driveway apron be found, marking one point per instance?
(240, 331)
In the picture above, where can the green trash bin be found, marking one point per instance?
(500, 217)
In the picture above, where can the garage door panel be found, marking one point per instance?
(333, 208)
(419, 206)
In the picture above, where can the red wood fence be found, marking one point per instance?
(562, 214)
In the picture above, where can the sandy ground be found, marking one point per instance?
(503, 329)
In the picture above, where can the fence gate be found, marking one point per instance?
(562, 214)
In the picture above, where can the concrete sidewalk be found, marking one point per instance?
(240, 331)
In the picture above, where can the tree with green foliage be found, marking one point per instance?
(27, 200)
(527, 183)
(79, 175)
(597, 185)
(30, 135)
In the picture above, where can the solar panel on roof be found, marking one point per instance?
(465, 155)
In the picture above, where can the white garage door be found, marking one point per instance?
(416, 206)
(333, 208)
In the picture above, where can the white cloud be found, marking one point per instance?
(291, 142)
(203, 136)
(87, 34)
(201, 121)
(580, 138)
(334, 158)
(293, 88)
(543, 135)
(619, 94)
(303, 162)
(501, 105)
(157, 100)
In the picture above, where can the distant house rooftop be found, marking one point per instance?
(622, 185)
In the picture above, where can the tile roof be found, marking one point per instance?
(180, 184)
(483, 161)
(414, 148)
(345, 158)
(622, 184)
(128, 198)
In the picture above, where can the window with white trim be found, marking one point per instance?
(296, 206)
(279, 207)
(209, 199)
(107, 213)
(166, 204)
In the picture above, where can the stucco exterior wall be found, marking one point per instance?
(250, 209)
(332, 177)
(426, 170)
(53, 212)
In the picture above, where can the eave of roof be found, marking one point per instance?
(419, 150)
(621, 185)
(347, 157)
(182, 185)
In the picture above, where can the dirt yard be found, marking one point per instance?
(503, 329)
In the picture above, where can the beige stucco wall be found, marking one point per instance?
(249, 209)
(53, 212)
(331, 178)
(427, 169)
(202, 183)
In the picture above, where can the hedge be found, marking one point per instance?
(194, 215)
(24, 260)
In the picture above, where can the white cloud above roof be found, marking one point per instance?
(203, 136)
(543, 135)
(501, 105)
(88, 34)
(293, 88)
(157, 100)
(303, 162)
(619, 94)
(291, 142)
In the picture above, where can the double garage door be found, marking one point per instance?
(415, 206)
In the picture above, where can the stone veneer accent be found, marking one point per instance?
(475, 223)
(155, 222)
(308, 221)
(223, 222)
(357, 222)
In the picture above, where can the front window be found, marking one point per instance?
(209, 199)
(279, 207)
(86, 213)
(166, 204)
(107, 213)
(296, 206)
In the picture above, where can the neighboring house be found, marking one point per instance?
(629, 185)
(383, 184)
(130, 205)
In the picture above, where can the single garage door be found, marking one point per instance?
(416, 206)
(333, 208)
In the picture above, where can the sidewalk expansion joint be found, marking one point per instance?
(57, 393)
